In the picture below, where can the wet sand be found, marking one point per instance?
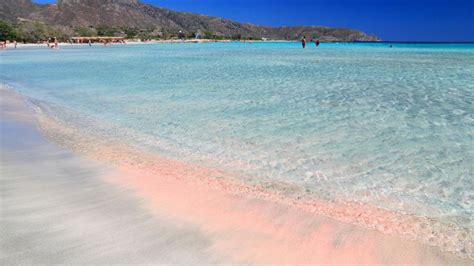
(56, 208)
(59, 207)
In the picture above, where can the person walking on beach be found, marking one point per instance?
(303, 42)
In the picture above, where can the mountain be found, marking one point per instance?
(68, 15)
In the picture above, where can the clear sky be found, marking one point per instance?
(391, 20)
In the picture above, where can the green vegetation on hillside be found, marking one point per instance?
(33, 32)
(7, 31)
(30, 31)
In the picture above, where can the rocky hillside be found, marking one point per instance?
(155, 21)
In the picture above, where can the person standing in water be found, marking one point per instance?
(55, 43)
(15, 44)
(303, 42)
(317, 43)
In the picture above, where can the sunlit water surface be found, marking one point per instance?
(391, 127)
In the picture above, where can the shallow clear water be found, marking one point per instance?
(392, 127)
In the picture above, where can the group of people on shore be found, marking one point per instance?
(303, 42)
(3, 44)
(52, 43)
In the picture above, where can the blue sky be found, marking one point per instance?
(392, 20)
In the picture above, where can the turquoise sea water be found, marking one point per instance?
(391, 127)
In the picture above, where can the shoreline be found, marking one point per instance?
(206, 41)
(209, 199)
(135, 42)
(57, 208)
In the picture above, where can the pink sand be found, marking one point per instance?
(261, 231)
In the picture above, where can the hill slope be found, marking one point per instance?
(134, 14)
